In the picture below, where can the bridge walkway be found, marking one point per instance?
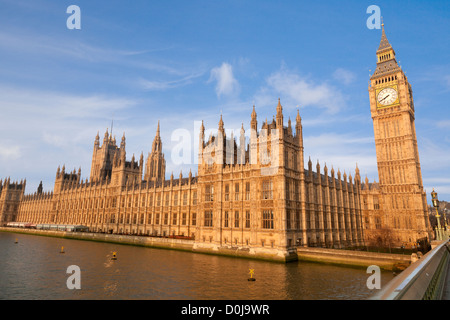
(446, 293)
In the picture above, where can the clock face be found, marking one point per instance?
(387, 96)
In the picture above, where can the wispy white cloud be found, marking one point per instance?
(44, 45)
(48, 106)
(301, 90)
(434, 154)
(327, 140)
(43, 129)
(322, 122)
(9, 153)
(438, 180)
(447, 81)
(442, 190)
(164, 85)
(67, 48)
(53, 118)
(342, 151)
(161, 67)
(226, 85)
(344, 75)
(444, 124)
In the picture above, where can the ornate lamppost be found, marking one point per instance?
(435, 202)
(447, 231)
(445, 219)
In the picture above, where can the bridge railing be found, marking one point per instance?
(422, 280)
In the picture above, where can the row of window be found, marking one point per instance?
(266, 194)
(376, 204)
(230, 219)
(156, 218)
(385, 57)
(124, 202)
(386, 79)
(227, 219)
(267, 191)
(314, 221)
(8, 207)
(236, 192)
(267, 219)
(12, 196)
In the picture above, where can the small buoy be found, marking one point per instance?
(62, 249)
(114, 257)
(252, 271)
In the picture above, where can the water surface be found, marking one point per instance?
(34, 268)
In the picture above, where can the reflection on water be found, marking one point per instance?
(35, 268)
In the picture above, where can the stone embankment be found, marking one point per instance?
(396, 262)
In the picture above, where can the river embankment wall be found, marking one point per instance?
(387, 261)
(321, 255)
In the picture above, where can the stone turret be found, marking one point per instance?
(103, 156)
(155, 167)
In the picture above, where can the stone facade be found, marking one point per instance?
(253, 195)
(257, 195)
(11, 194)
(395, 209)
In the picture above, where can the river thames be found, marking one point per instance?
(35, 269)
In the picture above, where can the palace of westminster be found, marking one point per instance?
(257, 196)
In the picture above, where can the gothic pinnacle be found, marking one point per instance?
(384, 43)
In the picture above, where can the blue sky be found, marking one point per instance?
(181, 62)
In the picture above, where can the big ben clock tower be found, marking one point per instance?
(402, 198)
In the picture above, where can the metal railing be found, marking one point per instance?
(424, 279)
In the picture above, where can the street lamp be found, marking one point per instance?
(435, 202)
(445, 219)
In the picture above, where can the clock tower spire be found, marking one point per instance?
(386, 62)
(402, 197)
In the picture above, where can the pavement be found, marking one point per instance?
(446, 293)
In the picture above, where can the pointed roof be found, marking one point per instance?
(157, 144)
(279, 107)
(388, 66)
(202, 127)
(221, 128)
(253, 113)
(384, 43)
(298, 119)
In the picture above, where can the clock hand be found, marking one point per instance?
(385, 97)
